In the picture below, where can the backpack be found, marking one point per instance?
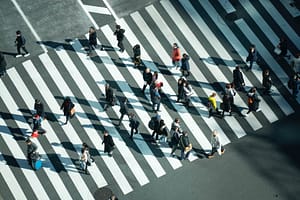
(151, 123)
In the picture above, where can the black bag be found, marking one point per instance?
(151, 123)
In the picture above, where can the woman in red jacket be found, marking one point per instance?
(176, 57)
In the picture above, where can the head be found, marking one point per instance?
(105, 132)
(18, 32)
(175, 45)
(253, 89)
(237, 67)
(185, 133)
(267, 71)
(213, 94)
(228, 86)
(37, 101)
(147, 70)
(92, 29)
(214, 133)
(177, 120)
(184, 55)
(28, 141)
(118, 27)
(106, 85)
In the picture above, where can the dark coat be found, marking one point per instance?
(124, 108)
(226, 103)
(31, 148)
(136, 51)
(255, 105)
(252, 56)
(120, 34)
(184, 141)
(283, 47)
(20, 41)
(267, 81)
(133, 122)
(108, 143)
(238, 79)
(67, 106)
(93, 38)
(147, 77)
(39, 107)
(185, 65)
(109, 95)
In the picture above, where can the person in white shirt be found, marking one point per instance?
(216, 145)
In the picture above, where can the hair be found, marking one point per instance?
(175, 44)
(118, 26)
(176, 120)
(18, 32)
(213, 94)
(237, 67)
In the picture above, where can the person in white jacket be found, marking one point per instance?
(216, 145)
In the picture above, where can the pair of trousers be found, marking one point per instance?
(186, 155)
(120, 45)
(19, 49)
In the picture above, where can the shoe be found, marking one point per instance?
(209, 157)
(18, 55)
(258, 110)
(27, 54)
(222, 152)
(246, 115)
(172, 155)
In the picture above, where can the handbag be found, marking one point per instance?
(72, 112)
(188, 148)
(277, 51)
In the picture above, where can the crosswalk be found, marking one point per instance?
(215, 46)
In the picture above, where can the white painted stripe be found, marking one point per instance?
(37, 37)
(90, 97)
(21, 159)
(282, 103)
(227, 6)
(5, 170)
(97, 9)
(284, 25)
(88, 14)
(49, 168)
(110, 9)
(64, 89)
(55, 109)
(229, 61)
(134, 101)
(244, 52)
(141, 144)
(187, 118)
(213, 68)
(293, 10)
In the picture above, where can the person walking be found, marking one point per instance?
(175, 140)
(31, 150)
(85, 158)
(185, 65)
(20, 43)
(109, 144)
(226, 102)
(238, 79)
(176, 56)
(252, 56)
(180, 91)
(253, 101)
(133, 124)
(92, 40)
(109, 97)
(295, 63)
(212, 101)
(266, 81)
(156, 126)
(67, 107)
(185, 146)
(119, 33)
(163, 131)
(3, 65)
(187, 93)
(294, 83)
(283, 46)
(123, 109)
(39, 108)
(137, 55)
(216, 145)
(155, 98)
(230, 91)
(147, 77)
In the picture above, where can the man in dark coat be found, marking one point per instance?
(147, 76)
(31, 149)
(39, 108)
(119, 32)
(184, 142)
(109, 144)
(109, 97)
(252, 56)
(226, 104)
(67, 106)
(137, 55)
(238, 79)
(266, 81)
(133, 124)
(123, 110)
(92, 40)
(185, 65)
(253, 101)
(20, 43)
(3, 65)
(155, 98)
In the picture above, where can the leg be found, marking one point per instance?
(182, 154)
(174, 147)
(213, 151)
(67, 118)
(121, 118)
(144, 87)
(24, 49)
(187, 155)
(131, 133)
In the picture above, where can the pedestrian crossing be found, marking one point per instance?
(215, 47)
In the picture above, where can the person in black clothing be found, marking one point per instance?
(252, 56)
(253, 101)
(109, 97)
(184, 142)
(109, 144)
(123, 110)
(31, 149)
(39, 108)
(283, 46)
(226, 104)
(147, 76)
(137, 55)
(20, 43)
(133, 124)
(3, 65)
(120, 37)
(238, 79)
(92, 40)
(185, 65)
(266, 81)
(156, 127)
(67, 106)
(174, 140)
(180, 89)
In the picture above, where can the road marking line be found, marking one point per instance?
(97, 9)
(110, 9)
(37, 37)
(88, 14)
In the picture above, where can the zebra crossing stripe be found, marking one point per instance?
(212, 39)
(64, 89)
(284, 106)
(282, 103)
(284, 25)
(151, 159)
(171, 37)
(8, 175)
(293, 10)
(55, 108)
(227, 6)
(110, 162)
(16, 151)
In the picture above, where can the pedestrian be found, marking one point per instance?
(230, 91)
(187, 93)
(185, 65)
(295, 63)
(3, 65)
(175, 140)
(133, 124)
(185, 146)
(92, 40)
(216, 145)
(109, 144)
(37, 124)
(283, 46)
(20, 43)
(294, 83)
(156, 122)
(212, 105)
(252, 56)
(119, 33)
(163, 131)
(266, 81)
(176, 124)
(155, 99)
(176, 56)
(154, 77)
(68, 108)
(147, 77)
(238, 79)
(39, 108)
(123, 109)
(85, 158)
(226, 102)
(109, 97)
(253, 101)
(31, 150)
(137, 55)
(180, 90)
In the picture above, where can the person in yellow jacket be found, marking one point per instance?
(212, 104)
